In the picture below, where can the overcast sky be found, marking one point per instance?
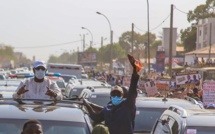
(40, 23)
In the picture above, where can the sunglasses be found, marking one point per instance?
(118, 94)
(40, 68)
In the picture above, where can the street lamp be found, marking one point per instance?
(90, 34)
(111, 37)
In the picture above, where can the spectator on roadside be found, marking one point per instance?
(203, 61)
(196, 95)
(195, 59)
(119, 115)
(32, 127)
(38, 87)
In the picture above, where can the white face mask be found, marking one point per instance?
(40, 74)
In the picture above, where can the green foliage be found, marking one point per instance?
(7, 53)
(140, 41)
(202, 11)
(105, 52)
(53, 59)
(188, 37)
(92, 50)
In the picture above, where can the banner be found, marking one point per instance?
(160, 58)
(126, 81)
(208, 92)
(162, 86)
(186, 79)
(151, 88)
(86, 57)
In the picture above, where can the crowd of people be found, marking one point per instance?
(118, 114)
(202, 61)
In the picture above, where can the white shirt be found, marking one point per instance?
(37, 90)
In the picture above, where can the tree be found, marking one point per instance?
(53, 59)
(139, 42)
(188, 35)
(202, 11)
(104, 52)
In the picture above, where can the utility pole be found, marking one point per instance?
(101, 41)
(111, 53)
(210, 41)
(148, 45)
(170, 42)
(83, 42)
(132, 38)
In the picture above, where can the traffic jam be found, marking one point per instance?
(107, 67)
(151, 100)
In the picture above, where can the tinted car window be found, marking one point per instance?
(101, 100)
(9, 126)
(174, 125)
(60, 84)
(1, 77)
(160, 128)
(75, 91)
(67, 78)
(146, 117)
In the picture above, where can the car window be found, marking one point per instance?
(75, 91)
(101, 100)
(68, 89)
(60, 84)
(1, 77)
(173, 125)
(146, 117)
(162, 128)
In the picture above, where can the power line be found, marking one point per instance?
(160, 23)
(139, 28)
(154, 27)
(61, 44)
(180, 10)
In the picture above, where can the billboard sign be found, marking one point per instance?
(188, 78)
(87, 57)
(160, 58)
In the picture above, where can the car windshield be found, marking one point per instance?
(14, 126)
(67, 78)
(75, 91)
(60, 84)
(101, 100)
(146, 117)
(200, 130)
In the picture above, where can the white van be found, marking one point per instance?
(65, 69)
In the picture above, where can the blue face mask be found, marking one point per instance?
(116, 100)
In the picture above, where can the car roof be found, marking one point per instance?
(41, 112)
(93, 83)
(200, 117)
(98, 91)
(55, 78)
(157, 102)
(10, 82)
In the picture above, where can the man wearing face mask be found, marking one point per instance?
(38, 87)
(119, 114)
